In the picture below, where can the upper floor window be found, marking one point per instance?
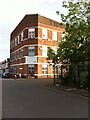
(54, 35)
(31, 51)
(31, 33)
(44, 51)
(12, 56)
(54, 49)
(15, 42)
(17, 56)
(22, 36)
(44, 33)
(21, 52)
(19, 39)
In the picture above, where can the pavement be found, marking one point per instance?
(77, 91)
(38, 98)
(49, 84)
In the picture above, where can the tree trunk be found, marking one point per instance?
(78, 74)
(74, 74)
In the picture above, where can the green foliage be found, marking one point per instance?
(77, 32)
(75, 45)
(52, 55)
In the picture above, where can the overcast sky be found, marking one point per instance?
(12, 11)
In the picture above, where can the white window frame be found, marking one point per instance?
(55, 35)
(31, 48)
(63, 35)
(19, 39)
(44, 69)
(31, 69)
(15, 42)
(44, 51)
(21, 52)
(31, 33)
(44, 33)
(22, 35)
(55, 49)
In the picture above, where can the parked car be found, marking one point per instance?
(5, 75)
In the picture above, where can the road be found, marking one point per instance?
(33, 99)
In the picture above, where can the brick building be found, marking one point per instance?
(28, 45)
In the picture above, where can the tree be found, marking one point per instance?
(88, 42)
(51, 57)
(75, 45)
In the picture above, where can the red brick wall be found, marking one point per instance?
(38, 22)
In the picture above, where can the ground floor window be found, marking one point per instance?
(44, 69)
(31, 70)
(14, 70)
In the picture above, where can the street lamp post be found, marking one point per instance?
(54, 73)
(57, 62)
(56, 76)
(60, 72)
(48, 62)
(55, 68)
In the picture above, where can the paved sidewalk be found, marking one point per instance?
(81, 92)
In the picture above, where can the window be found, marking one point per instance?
(54, 36)
(54, 49)
(13, 56)
(14, 70)
(31, 33)
(44, 69)
(15, 42)
(19, 39)
(44, 33)
(21, 52)
(31, 51)
(31, 69)
(44, 51)
(63, 35)
(22, 36)
(16, 54)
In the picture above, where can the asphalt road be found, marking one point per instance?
(32, 99)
